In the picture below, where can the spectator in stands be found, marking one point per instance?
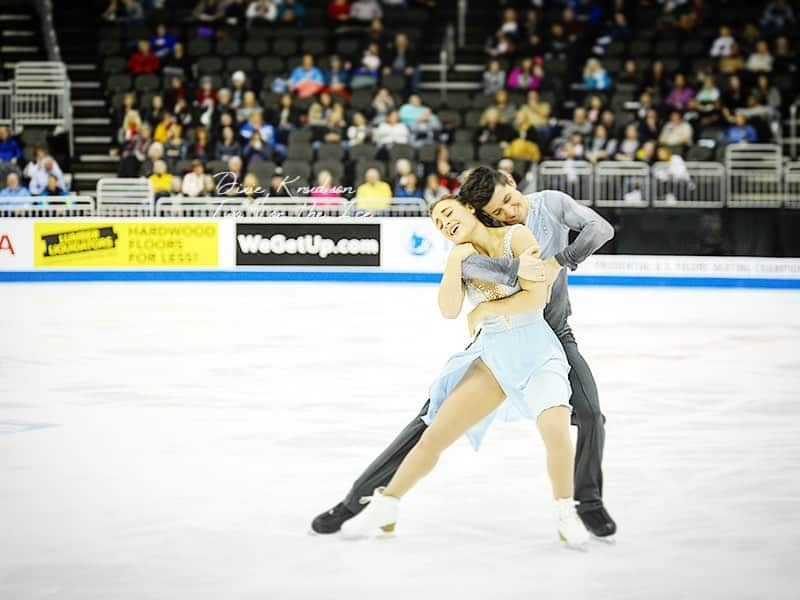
(286, 118)
(134, 140)
(722, 46)
(209, 11)
(646, 152)
(617, 30)
(256, 123)
(447, 178)
(154, 113)
(236, 168)
(160, 179)
(649, 127)
(143, 60)
(630, 74)
(373, 193)
(409, 187)
(338, 11)
(174, 92)
(118, 112)
(588, 11)
(358, 132)
(493, 130)
(526, 76)
(681, 94)
(594, 108)
(162, 41)
(740, 131)
(161, 132)
(13, 188)
(402, 168)
(760, 60)
(127, 11)
(262, 10)
(785, 57)
(778, 16)
(10, 152)
(238, 88)
(324, 192)
(248, 106)
(39, 154)
(47, 167)
(206, 96)
(176, 187)
(402, 60)
(538, 114)
(525, 144)
(579, 124)
(194, 181)
(227, 146)
(337, 78)
(154, 152)
(629, 145)
(291, 11)
(600, 146)
(504, 46)
(433, 189)
(54, 188)
(391, 132)
(365, 10)
(412, 110)
(257, 149)
(573, 149)
(174, 150)
(559, 45)
(367, 73)
(676, 131)
(176, 64)
(509, 27)
(733, 63)
(767, 93)
(377, 34)
(306, 80)
(707, 96)
(595, 76)
(494, 78)
(657, 80)
(503, 104)
(382, 105)
(201, 148)
(335, 129)
(426, 129)
(734, 96)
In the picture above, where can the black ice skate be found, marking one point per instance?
(599, 523)
(331, 520)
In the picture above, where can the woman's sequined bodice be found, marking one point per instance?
(485, 291)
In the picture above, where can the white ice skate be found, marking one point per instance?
(379, 516)
(570, 528)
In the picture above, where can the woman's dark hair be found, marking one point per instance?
(478, 187)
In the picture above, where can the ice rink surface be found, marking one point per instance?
(170, 441)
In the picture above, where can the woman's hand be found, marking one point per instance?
(462, 251)
(531, 267)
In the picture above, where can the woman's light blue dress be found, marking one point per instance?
(522, 352)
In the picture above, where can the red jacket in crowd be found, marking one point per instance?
(140, 63)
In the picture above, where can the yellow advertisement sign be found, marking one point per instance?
(125, 244)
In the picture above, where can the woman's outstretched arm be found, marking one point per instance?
(451, 290)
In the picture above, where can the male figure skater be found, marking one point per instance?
(550, 215)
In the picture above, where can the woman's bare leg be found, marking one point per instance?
(475, 397)
(553, 426)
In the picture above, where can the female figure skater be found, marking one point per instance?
(515, 368)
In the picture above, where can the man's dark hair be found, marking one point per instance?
(479, 186)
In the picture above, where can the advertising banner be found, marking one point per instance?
(414, 245)
(16, 244)
(125, 244)
(308, 244)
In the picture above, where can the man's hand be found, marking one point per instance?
(531, 267)
(461, 252)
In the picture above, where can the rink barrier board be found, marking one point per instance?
(373, 277)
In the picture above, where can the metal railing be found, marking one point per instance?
(573, 177)
(41, 207)
(688, 184)
(45, 10)
(791, 185)
(622, 183)
(117, 197)
(793, 139)
(462, 23)
(754, 175)
(6, 94)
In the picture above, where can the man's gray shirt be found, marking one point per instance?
(551, 215)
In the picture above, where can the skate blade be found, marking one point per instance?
(381, 532)
(577, 547)
(608, 540)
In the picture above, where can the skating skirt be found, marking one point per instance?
(528, 362)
